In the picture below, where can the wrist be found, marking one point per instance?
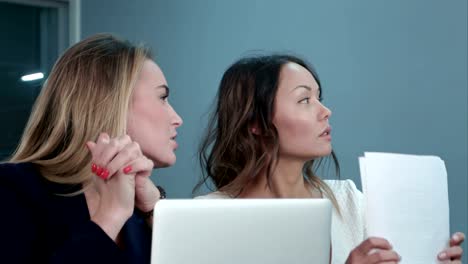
(148, 213)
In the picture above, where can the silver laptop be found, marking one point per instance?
(241, 231)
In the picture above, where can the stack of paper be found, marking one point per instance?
(407, 203)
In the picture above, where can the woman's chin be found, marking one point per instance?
(328, 150)
(321, 154)
(164, 162)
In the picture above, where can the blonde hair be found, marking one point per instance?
(87, 92)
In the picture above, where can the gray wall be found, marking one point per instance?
(394, 72)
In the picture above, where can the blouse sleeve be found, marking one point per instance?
(360, 206)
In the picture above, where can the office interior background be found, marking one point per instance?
(394, 73)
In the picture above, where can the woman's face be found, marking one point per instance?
(152, 122)
(299, 117)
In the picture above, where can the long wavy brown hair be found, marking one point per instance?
(231, 156)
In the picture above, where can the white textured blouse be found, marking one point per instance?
(347, 230)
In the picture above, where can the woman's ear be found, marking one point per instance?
(255, 130)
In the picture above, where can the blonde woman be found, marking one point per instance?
(70, 193)
(266, 139)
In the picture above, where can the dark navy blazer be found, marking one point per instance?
(39, 226)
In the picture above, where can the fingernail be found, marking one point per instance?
(93, 167)
(105, 174)
(456, 238)
(442, 255)
(99, 175)
(127, 169)
(99, 171)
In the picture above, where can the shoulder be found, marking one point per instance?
(21, 180)
(341, 184)
(12, 174)
(345, 189)
(348, 225)
(351, 203)
(350, 200)
(348, 196)
(7, 168)
(214, 195)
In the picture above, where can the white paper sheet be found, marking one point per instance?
(407, 203)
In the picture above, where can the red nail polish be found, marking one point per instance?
(93, 167)
(99, 171)
(127, 169)
(105, 174)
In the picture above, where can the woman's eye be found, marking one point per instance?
(164, 97)
(305, 100)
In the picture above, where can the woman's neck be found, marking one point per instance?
(286, 181)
